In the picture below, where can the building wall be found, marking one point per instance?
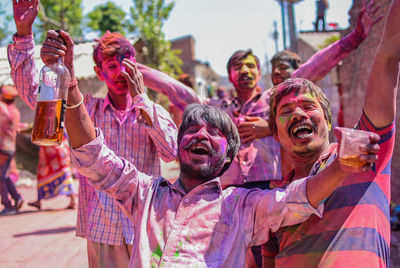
(186, 46)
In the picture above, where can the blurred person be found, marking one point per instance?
(54, 174)
(125, 120)
(220, 97)
(9, 125)
(322, 6)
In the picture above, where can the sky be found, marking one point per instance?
(220, 27)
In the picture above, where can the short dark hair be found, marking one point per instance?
(297, 85)
(288, 56)
(239, 55)
(195, 113)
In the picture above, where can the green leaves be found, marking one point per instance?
(148, 19)
(60, 14)
(108, 17)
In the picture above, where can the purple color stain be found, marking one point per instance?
(120, 58)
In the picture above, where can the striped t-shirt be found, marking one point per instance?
(355, 228)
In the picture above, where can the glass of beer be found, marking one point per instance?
(351, 142)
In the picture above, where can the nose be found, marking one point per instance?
(202, 134)
(276, 70)
(244, 69)
(299, 113)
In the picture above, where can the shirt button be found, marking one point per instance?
(166, 259)
(176, 227)
(186, 200)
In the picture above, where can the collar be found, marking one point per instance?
(323, 160)
(177, 185)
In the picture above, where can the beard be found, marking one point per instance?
(204, 173)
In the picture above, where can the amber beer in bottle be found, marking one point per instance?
(48, 124)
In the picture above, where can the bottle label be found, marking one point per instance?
(63, 105)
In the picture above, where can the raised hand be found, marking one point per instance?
(134, 77)
(25, 12)
(367, 19)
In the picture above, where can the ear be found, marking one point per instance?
(99, 73)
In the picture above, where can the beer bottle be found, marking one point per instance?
(52, 94)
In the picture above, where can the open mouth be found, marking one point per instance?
(302, 131)
(200, 149)
(245, 79)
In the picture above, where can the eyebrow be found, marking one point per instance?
(301, 101)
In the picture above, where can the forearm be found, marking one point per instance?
(164, 134)
(282, 207)
(107, 172)
(23, 69)
(383, 79)
(321, 63)
(322, 185)
(163, 131)
(179, 94)
(80, 127)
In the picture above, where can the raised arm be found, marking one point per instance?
(380, 97)
(179, 94)
(321, 63)
(20, 52)
(79, 126)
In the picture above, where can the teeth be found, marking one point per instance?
(200, 147)
(301, 127)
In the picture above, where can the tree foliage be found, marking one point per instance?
(6, 20)
(60, 14)
(148, 19)
(108, 17)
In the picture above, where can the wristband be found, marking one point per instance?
(76, 105)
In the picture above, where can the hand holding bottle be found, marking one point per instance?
(51, 101)
(59, 44)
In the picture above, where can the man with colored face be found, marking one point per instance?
(257, 159)
(355, 230)
(134, 127)
(195, 222)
